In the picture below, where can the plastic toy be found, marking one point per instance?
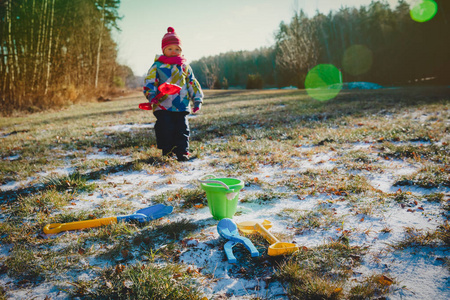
(222, 195)
(143, 215)
(276, 248)
(164, 89)
(228, 230)
(249, 226)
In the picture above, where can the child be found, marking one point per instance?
(172, 127)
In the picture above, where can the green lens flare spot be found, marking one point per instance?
(323, 82)
(357, 60)
(423, 10)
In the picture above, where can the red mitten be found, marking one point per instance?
(196, 108)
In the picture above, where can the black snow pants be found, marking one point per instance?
(172, 131)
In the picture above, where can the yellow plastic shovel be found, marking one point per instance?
(276, 248)
(249, 226)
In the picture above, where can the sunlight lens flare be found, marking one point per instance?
(423, 10)
(323, 82)
(357, 60)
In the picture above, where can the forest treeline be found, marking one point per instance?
(57, 51)
(374, 43)
(54, 52)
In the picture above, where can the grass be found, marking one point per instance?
(176, 230)
(42, 203)
(140, 281)
(430, 176)
(319, 218)
(373, 287)
(22, 263)
(435, 197)
(322, 272)
(420, 238)
(304, 149)
(261, 197)
(433, 152)
(185, 198)
(73, 182)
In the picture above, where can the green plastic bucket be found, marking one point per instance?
(222, 195)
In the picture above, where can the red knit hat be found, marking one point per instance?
(170, 38)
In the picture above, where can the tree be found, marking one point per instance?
(225, 83)
(235, 67)
(49, 48)
(254, 81)
(210, 72)
(397, 49)
(297, 46)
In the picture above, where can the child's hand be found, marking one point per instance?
(154, 101)
(197, 107)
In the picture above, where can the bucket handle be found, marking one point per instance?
(207, 179)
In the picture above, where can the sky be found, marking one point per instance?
(208, 27)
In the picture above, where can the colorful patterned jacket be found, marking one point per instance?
(181, 75)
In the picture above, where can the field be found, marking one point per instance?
(360, 182)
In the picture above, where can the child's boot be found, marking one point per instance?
(183, 156)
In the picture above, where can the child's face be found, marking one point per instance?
(172, 50)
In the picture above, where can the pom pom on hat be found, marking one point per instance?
(170, 38)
